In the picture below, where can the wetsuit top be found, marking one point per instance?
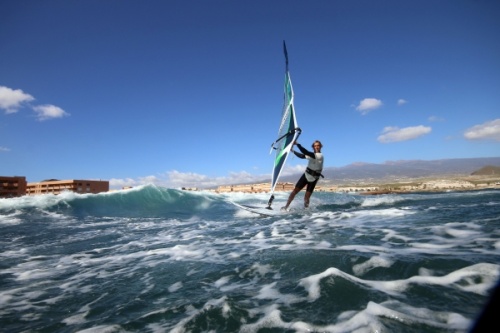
(315, 163)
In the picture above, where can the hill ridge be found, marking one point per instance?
(391, 170)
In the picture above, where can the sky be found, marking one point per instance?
(189, 93)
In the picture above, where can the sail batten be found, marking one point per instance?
(288, 132)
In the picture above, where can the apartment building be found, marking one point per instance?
(55, 186)
(12, 186)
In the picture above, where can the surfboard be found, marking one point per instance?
(261, 210)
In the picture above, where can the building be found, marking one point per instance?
(55, 186)
(255, 188)
(12, 186)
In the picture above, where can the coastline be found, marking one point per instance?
(383, 186)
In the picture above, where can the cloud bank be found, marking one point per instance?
(176, 179)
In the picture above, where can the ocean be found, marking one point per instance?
(153, 259)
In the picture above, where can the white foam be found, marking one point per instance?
(103, 329)
(222, 281)
(465, 279)
(257, 270)
(269, 291)
(390, 212)
(412, 315)
(174, 287)
(40, 201)
(79, 317)
(191, 312)
(366, 320)
(271, 318)
(378, 200)
(11, 218)
(373, 262)
(391, 234)
(33, 270)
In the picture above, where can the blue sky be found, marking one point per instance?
(189, 93)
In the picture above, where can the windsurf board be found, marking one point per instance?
(261, 210)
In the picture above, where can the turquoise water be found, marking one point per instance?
(153, 259)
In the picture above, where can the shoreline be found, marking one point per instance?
(371, 187)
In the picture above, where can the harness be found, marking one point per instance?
(314, 173)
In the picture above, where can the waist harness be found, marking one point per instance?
(314, 173)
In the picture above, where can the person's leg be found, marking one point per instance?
(298, 187)
(306, 199)
(309, 192)
(291, 197)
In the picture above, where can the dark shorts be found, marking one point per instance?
(302, 182)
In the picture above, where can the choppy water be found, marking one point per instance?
(161, 260)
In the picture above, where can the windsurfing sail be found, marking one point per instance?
(289, 131)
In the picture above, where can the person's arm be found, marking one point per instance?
(299, 155)
(305, 151)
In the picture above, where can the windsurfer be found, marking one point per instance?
(312, 173)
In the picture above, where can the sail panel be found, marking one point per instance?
(287, 134)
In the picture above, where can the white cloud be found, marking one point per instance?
(435, 119)
(121, 183)
(396, 134)
(4, 149)
(402, 101)
(368, 104)
(292, 170)
(187, 179)
(48, 111)
(490, 130)
(11, 100)
(178, 179)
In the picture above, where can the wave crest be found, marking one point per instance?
(147, 200)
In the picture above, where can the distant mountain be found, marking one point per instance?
(393, 170)
(487, 171)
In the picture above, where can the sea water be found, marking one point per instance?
(152, 259)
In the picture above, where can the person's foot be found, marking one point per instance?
(284, 208)
(306, 204)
